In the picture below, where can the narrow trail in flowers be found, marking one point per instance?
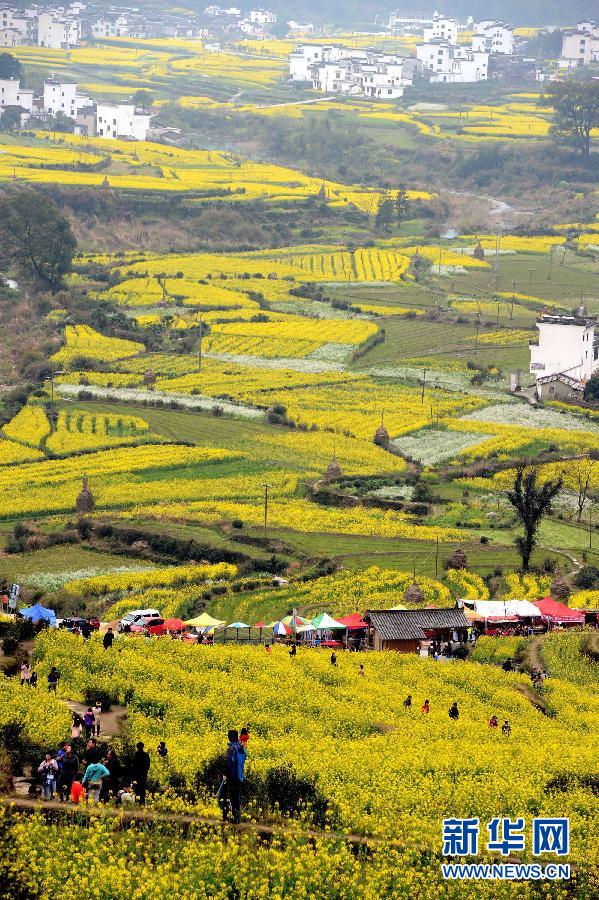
(52, 808)
(111, 722)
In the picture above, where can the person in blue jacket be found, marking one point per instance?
(92, 780)
(229, 793)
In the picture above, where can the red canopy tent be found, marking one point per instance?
(353, 622)
(559, 613)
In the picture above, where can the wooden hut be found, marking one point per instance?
(404, 629)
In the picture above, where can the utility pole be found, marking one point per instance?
(440, 257)
(265, 510)
(476, 338)
(530, 272)
(513, 298)
(590, 525)
(550, 262)
(437, 558)
(423, 384)
(200, 345)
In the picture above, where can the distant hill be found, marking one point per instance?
(517, 12)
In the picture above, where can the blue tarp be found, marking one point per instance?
(38, 612)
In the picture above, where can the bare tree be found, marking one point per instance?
(531, 501)
(582, 471)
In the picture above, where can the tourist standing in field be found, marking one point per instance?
(110, 785)
(76, 727)
(89, 722)
(506, 728)
(333, 658)
(233, 775)
(454, 712)
(408, 702)
(108, 639)
(48, 770)
(97, 711)
(493, 722)
(68, 772)
(92, 780)
(426, 708)
(25, 674)
(53, 677)
(162, 750)
(139, 771)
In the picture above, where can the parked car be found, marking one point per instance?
(151, 624)
(133, 617)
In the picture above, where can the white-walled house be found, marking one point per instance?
(441, 29)
(450, 64)
(57, 33)
(494, 37)
(262, 17)
(580, 47)
(116, 26)
(60, 96)
(303, 57)
(567, 352)
(121, 120)
(12, 94)
(367, 74)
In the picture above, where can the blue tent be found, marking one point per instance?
(38, 612)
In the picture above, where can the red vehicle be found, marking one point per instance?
(158, 627)
(148, 626)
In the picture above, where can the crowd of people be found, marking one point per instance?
(95, 772)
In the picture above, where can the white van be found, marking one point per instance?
(132, 617)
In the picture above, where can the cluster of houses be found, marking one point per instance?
(92, 118)
(63, 27)
(580, 47)
(439, 58)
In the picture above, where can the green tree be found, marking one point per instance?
(10, 119)
(35, 237)
(575, 112)
(531, 500)
(384, 213)
(10, 67)
(402, 206)
(142, 98)
(591, 388)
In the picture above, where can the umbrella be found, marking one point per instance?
(353, 622)
(237, 626)
(324, 622)
(294, 620)
(280, 629)
(204, 621)
(260, 625)
(174, 625)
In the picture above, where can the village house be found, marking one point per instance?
(12, 94)
(493, 38)
(58, 33)
(566, 355)
(121, 120)
(451, 64)
(404, 630)
(580, 47)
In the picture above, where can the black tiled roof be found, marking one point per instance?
(410, 624)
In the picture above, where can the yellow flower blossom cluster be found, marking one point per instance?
(29, 427)
(507, 337)
(134, 581)
(467, 585)
(82, 340)
(11, 453)
(526, 587)
(51, 486)
(300, 515)
(43, 718)
(78, 430)
(188, 695)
